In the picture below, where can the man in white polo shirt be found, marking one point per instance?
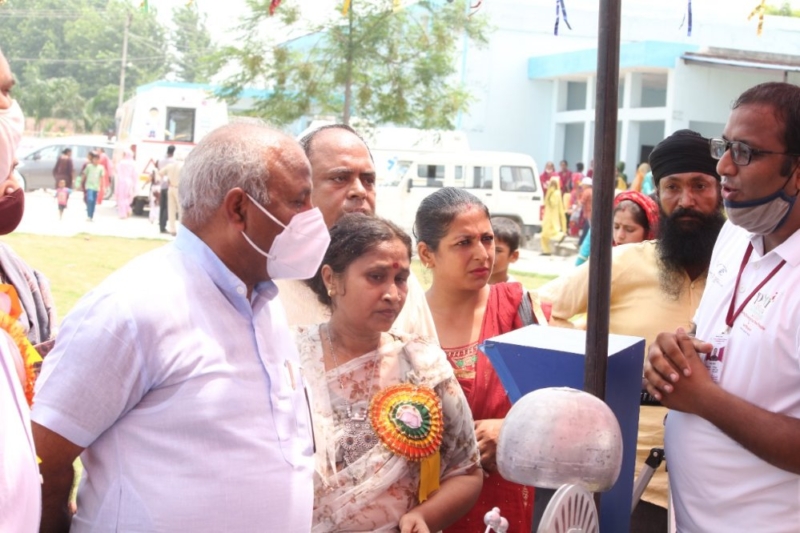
(182, 391)
(733, 430)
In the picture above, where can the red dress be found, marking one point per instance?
(488, 399)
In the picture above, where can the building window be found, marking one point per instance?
(576, 95)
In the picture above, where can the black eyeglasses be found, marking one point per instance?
(741, 153)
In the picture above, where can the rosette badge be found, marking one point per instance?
(408, 421)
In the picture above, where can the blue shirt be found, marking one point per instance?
(187, 396)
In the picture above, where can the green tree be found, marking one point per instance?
(50, 42)
(193, 44)
(784, 10)
(382, 65)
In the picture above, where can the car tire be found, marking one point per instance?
(109, 191)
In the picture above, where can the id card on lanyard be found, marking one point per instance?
(719, 342)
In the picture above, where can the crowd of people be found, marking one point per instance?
(301, 378)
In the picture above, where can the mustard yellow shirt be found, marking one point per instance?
(638, 305)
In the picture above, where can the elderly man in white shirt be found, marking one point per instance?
(182, 392)
(344, 182)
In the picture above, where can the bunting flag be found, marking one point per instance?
(689, 19)
(396, 4)
(144, 5)
(273, 5)
(561, 10)
(346, 7)
(759, 10)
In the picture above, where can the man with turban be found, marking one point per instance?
(657, 284)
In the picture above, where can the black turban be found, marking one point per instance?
(683, 151)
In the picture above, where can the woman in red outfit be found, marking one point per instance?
(455, 241)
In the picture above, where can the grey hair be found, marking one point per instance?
(230, 156)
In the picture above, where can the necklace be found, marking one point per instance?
(358, 437)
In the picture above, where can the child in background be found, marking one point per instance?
(92, 177)
(62, 196)
(506, 245)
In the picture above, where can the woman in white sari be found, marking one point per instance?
(394, 437)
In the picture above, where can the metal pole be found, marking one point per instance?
(605, 140)
(124, 60)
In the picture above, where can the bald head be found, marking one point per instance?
(233, 156)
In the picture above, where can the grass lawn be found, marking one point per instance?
(74, 265)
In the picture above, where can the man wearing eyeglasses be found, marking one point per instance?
(733, 431)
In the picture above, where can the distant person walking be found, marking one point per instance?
(125, 183)
(554, 220)
(62, 197)
(64, 169)
(92, 180)
(108, 170)
(163, 188)
(171, 174)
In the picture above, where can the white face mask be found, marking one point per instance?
(298, 250)
(12, 124)
(763, 215)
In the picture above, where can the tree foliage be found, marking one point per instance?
(382, 65)
(192, 43)
(784, 10)
(66, 55)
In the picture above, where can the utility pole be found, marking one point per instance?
(124, 59)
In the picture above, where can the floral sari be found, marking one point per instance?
(376, 490)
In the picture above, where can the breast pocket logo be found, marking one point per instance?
(718, 273)
(759, 305)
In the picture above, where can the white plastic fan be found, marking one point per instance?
(571, 510)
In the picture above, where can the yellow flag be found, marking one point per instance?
(346, 7)
(759, 10)
(396, 5)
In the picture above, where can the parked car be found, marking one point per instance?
(37, 166)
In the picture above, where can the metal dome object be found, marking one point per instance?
(558, 436)
(571, 510)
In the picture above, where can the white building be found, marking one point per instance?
(535, 91)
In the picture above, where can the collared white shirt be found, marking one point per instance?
(20, 488)
(187, 397)
(716, 483)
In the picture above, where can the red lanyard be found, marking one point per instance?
(731, 317)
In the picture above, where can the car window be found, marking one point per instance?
(429, 176)
(48, 152)
(80, 151)
(517, 179)
(481, 178)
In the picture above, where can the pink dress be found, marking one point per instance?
(123, 189)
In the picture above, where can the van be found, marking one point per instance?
(161, 114)
(507, 183)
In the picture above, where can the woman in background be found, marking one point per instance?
(554, 220)
(635, 220)
(125, 183)
(456, 243)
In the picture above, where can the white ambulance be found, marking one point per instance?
(164, 113)
(508, 183)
